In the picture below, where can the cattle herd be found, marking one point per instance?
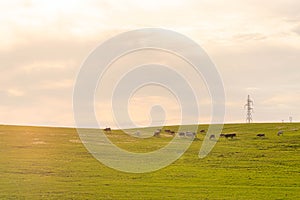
(157, 133)
(192, 134)
(211, 137)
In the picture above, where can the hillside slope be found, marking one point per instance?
(52, 163)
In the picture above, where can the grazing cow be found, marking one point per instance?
(172, 133)
(260, 135)
(212, 137)
(107, 129)
(202, 131)
(190, 134)
(280, 133)
(156, 133)
(230, 135)
(182, 134)
(167, 131)
(138, 133)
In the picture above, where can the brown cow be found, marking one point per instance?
(172, 133)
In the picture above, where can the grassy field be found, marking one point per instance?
(52, 163)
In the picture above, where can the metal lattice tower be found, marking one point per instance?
(249, 107)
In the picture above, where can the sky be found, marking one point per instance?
(254, 44)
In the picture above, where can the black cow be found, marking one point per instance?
(230, 135)
(261, 135)
(107, 129)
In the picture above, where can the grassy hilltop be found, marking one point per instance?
(52, 163)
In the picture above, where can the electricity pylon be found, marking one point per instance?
(249, 106)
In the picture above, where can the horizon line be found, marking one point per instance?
(200, 124)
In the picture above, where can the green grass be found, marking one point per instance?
(51, 163)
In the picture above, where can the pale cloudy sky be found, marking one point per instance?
(255, 45)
